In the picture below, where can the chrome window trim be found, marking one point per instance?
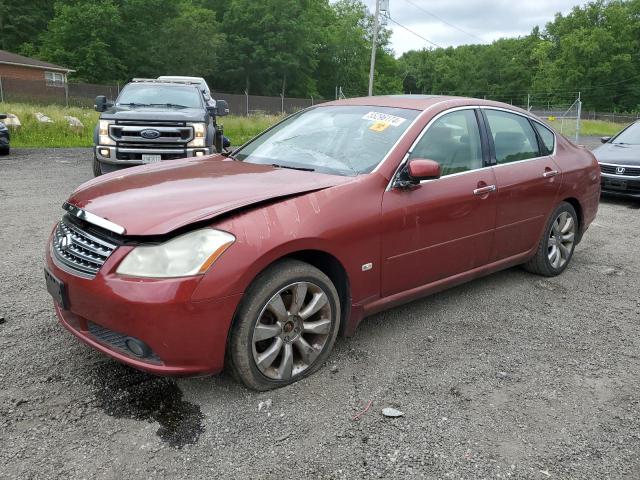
(472, 107)
(419, 137)
(94, 219)
(555, 137)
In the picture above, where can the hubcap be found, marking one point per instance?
(292, 330)
(561, 239)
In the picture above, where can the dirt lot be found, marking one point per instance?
(512, 375)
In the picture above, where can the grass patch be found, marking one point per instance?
(59, 134)
(590, 128)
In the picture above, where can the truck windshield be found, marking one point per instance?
(139, 94)
(342, 140)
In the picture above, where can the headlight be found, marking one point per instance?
(199, 134)
(189, 254)
(103, 134)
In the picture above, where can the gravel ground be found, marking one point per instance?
(512, 375)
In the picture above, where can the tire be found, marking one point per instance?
(97, 167)
(5, 151)
(556, 247)
(270, 347)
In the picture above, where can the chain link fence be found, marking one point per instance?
(83, 95)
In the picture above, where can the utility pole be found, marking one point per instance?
(373, 47)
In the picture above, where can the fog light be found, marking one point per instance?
(137, 347)
(105, 152)
(199, 153)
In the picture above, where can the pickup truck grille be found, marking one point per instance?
(150, 134)
(79, 252)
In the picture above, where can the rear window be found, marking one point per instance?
(513, 136)
(547, 136)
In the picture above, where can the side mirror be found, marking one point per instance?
(222, 108)
(423, 169)
(3, 116)
(101, 103)
(605, 139)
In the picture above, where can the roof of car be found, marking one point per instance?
(421, 102)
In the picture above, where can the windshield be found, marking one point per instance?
(629, 136)
(139, 94)
(342, 140)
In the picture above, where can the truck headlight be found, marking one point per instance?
(189, 254)
(199, 134)
(103, 134)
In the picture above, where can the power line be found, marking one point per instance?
(416, 34)
(445, 22)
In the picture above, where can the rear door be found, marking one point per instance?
(441, 227)
(527, 178)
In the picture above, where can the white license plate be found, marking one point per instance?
(150, 158)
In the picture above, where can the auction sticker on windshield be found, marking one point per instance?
(384, 117)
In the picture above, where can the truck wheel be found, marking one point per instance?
(285, 327)
(97, 167)
(557, 244)
(5, 151)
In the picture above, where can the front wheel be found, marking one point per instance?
(286, 326)
(97, 167)
(557, 244)
(5, 150)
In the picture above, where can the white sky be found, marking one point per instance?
(482, 19)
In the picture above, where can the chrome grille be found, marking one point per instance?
(613, 170)
(78, 251)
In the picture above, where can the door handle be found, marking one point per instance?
(550, 173)
(484, 190)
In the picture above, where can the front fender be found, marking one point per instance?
(237, 268)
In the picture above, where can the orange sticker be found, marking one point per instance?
(379, 126)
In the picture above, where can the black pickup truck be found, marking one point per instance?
(154, 120)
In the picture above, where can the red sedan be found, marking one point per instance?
(256, 261)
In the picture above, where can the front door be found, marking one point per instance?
(440, 227)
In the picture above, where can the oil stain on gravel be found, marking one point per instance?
(123, 392)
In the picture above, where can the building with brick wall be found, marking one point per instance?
(18, 67)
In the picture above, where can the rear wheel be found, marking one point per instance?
(97, 167)
(5, 150)
(286, 326)
(557, 244)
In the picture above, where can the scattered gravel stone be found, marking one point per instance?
(334, 369)
(264, 405)
(392, 412)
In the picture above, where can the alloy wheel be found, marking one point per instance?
(561, 240)
(292, 330)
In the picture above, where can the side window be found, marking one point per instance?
(547, 136)
(453, 141)
(513, 136)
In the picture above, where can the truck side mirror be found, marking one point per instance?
(222, 108)
(101, 103)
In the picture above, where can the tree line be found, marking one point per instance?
(306, 48)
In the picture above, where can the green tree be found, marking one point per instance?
(273, 46)
(84, 36)
(21, 22)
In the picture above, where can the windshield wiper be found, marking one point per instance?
(168, 105)
(134, 104)
(303, 169)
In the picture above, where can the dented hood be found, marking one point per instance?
(157, 199)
